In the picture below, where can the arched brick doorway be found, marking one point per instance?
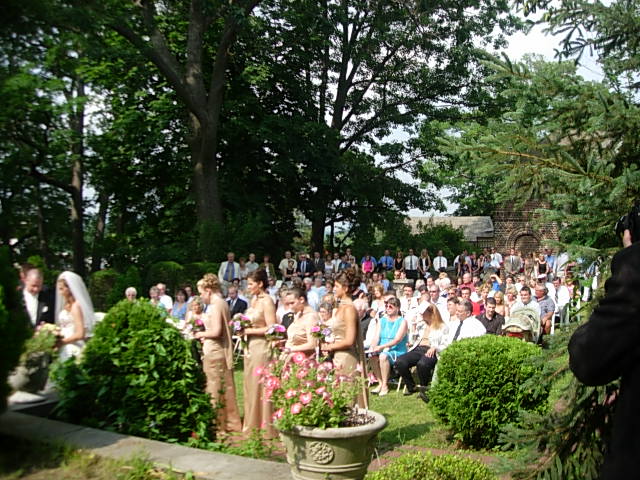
(527, 243)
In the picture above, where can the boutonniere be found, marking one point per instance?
(45, 309)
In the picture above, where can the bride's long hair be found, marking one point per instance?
(80, 295)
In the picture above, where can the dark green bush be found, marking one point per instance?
(425, 466)
(195, 271)
(14, 329)
(137, 376)
(169, 273)
(480, 387)
(101, 284)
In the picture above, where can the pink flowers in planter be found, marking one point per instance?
(307, 392)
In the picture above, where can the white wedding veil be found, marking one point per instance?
(81, 295)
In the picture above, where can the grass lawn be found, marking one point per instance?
(410, 420)
(20, 459)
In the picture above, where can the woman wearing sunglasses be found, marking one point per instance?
(389, 343)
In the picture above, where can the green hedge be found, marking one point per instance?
(14, 329)
(137, 376)
(425, 466)
(101, 284)
(169, 273)
(192, 272)
(480, 387)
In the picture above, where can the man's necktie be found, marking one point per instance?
(228, 273)
(455, 337)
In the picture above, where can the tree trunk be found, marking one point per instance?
(318, 224)
(77, 206)
(98, 237)
(42, 232)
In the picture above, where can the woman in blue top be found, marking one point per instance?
(179, 309)
(389, 343)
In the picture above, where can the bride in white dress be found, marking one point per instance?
(74, 314)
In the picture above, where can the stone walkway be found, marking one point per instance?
(202, 464)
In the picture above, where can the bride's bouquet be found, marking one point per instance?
(44, 342)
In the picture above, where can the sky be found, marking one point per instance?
(536, 42)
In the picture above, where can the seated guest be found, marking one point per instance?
(236, 304)
(389, 343)
(423, 354)
(452, 308)
(408, 301)
(501, 308)
(131, 294)
(491, 320)
(466, 326)
(179, 309)
(465, 294)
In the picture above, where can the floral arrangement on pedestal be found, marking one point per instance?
(44, 341)
(308, 392)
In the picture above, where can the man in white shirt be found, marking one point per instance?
(468, 327)
(562, 297)
(165, 299)
(252, 265)
(39, 306)
(440, 262)
(526, 300)
(410, 265)
(313, 299)
(408, 301)
(284, 263)
(439, 301)
(336, 263)
(229, 270)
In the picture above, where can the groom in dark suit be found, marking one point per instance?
(236, 305)
(38, 301)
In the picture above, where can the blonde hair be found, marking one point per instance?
(499, 297)
(436, 318)
(210, 281)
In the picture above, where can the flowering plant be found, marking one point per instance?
(306, 392)
(44, 340)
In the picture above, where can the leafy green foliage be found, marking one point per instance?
(567, 442)
(14, 329)
(482, 386)
(415, 466)
(101, 283)
(166, 272)
(137, 376)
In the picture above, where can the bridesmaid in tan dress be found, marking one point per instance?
(299, 337)
(347, 348)
(217, 360)
(262, 312)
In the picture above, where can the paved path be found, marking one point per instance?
(203, 464)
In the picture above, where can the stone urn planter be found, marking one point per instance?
(333, 453)
(31, 376)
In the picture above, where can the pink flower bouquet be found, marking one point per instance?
(306, 392)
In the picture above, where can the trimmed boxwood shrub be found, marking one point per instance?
(195, 271)
(480, 387)
(14, 327)
(101, 284)
(417, 466)
(169, 273)
(137, 376)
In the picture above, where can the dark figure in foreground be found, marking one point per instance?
(607, 347)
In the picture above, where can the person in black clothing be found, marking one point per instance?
(491, 320)
(607, 348)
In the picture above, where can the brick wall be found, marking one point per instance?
(520, 228)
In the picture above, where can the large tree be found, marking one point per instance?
(362, 72)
